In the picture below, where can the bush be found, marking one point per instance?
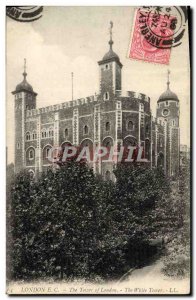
(72, 224)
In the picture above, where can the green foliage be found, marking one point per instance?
(177, 256)
(70, 223)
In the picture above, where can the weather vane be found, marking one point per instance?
(168, 82)
(111, 26)
(24, 65)
(111, 41)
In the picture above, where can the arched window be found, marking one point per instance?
(106, 96)
(130, 125)
(107, 126)
(28, 136)
(108, 144)
(85, 129)
(129, 141)
(44, 133)
(31, 154)
(18, 145)
(173, 123)
(51, 132)
(34, 135)
(66, 132)
(107, 175)
(46, 152)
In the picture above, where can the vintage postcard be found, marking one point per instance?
(98, 150)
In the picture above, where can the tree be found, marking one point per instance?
(71, 223)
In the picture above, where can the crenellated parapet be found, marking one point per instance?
(64, 105)
(139, 96)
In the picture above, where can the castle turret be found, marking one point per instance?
(110, 72)
(168, 106)
(168, 115)
(25, 99)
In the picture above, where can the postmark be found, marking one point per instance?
(156, 31)
(24, 13)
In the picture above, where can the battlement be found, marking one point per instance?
(139, 96)
(64, 105)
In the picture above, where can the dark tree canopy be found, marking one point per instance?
(71, 223)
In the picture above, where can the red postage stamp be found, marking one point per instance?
(151, 37)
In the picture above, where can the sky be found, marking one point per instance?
(74, 39)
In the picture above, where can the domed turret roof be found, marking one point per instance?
(24, 85)
(168, 94)
(110, 54)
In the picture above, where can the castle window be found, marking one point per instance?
(118, 105)
(18, 145)
(130, 125)
(161, 142)
(141, 106)
(106, 67)
(108, 144)
(166, 103)
(28, 136)
(106, 96)
(51, 132)
(107, 175)
(47, 151)
(31, 154)
(85, 129)
(147, 128)
(142, 119)
(66, 132)
(173, 123)
(107, 126)
(44, 133)
(34, 135)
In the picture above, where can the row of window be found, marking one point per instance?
(172, 122)
(31, 136)
(166, 103)
(50, 133)
(31, 152)
(45, 133)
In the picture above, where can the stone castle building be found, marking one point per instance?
(105, 119)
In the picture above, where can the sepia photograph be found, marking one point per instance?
(98, 150)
